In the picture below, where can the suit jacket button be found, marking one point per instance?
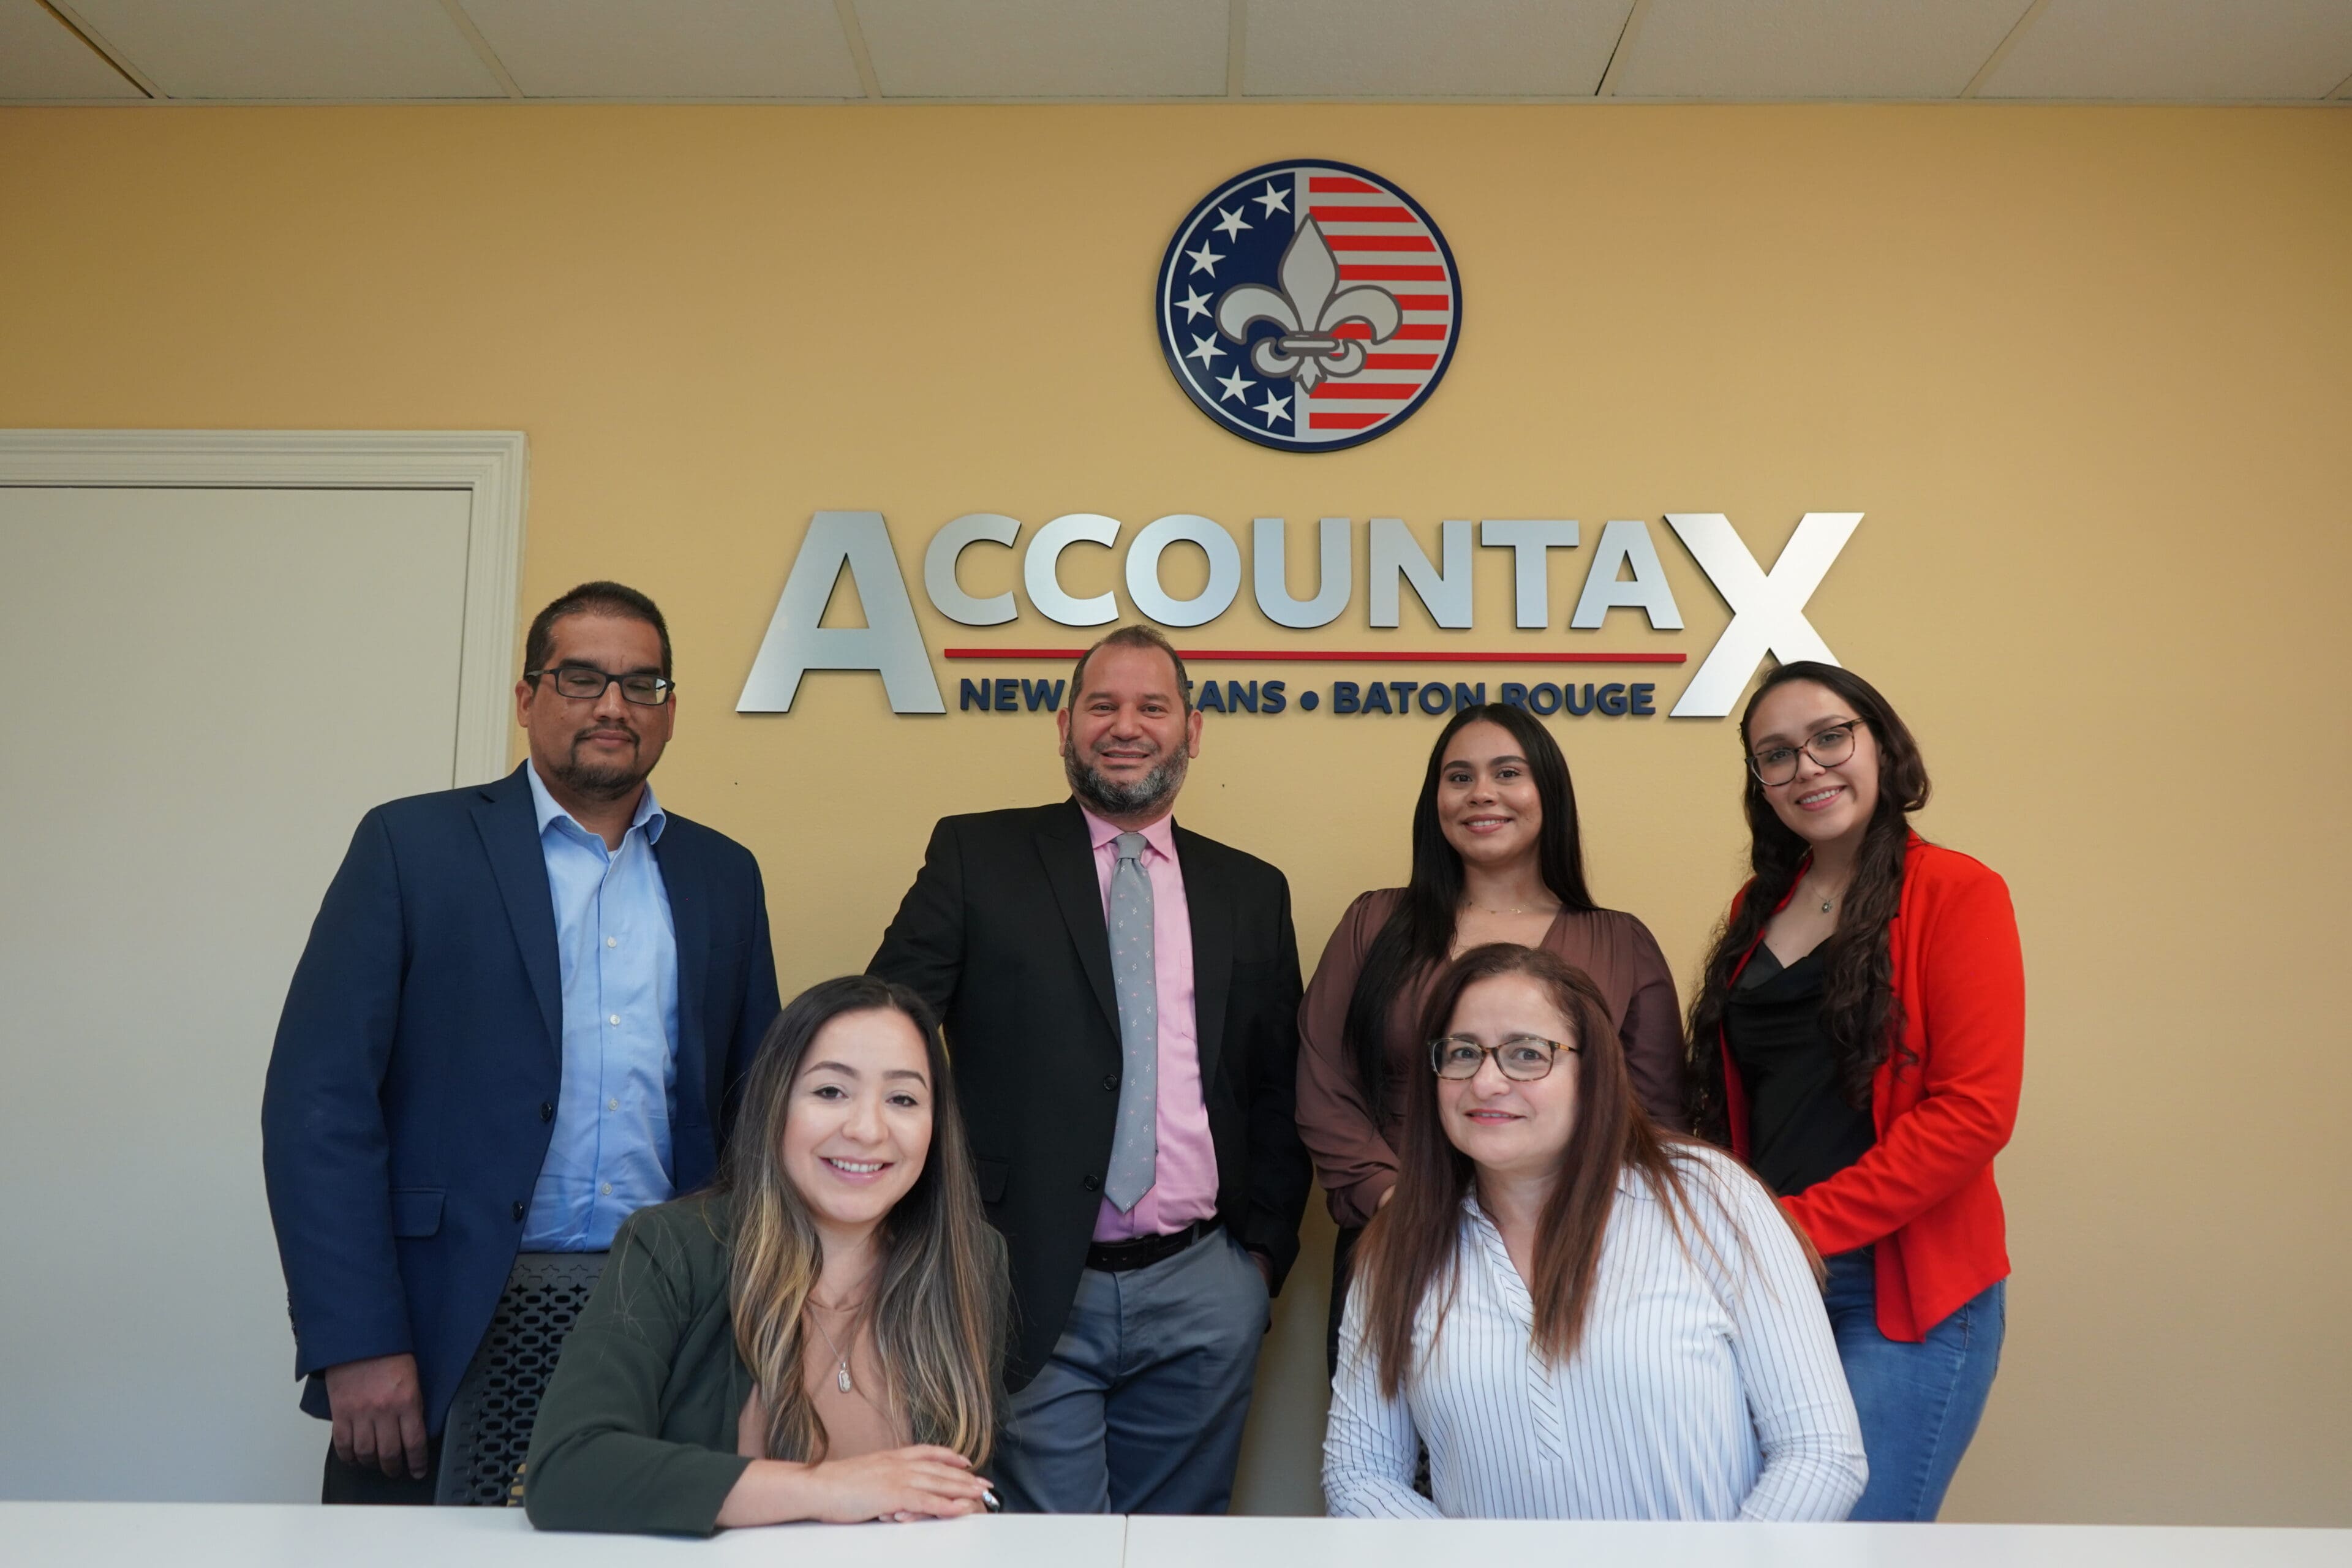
(1110, 1081)
(547, 1110)
(519, 1210)
(1092, 1183)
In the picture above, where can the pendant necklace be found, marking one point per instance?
(840, 1362)
(1514, 909)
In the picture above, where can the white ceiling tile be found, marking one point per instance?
(345, 50)
(41, 59)
(1812, 49)
(1413, 49)
(2180, 49)
(1045, 48)
(671, 48)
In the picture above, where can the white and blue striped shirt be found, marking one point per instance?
(1707, 1385)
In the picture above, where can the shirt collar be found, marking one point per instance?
(1630, 1183)
(1161, 834)
(648, 816)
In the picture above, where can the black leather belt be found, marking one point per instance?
(1116, 1257)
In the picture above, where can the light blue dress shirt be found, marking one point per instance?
(610, 1155)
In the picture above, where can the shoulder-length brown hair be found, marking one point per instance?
(940, 1309)
(1412, 1246)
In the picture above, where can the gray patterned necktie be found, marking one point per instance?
(1135, 1146)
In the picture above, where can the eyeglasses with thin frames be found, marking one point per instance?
(1777, 765)
(1522, 1058)
(586, 683)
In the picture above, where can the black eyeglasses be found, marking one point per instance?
(1776, 765)
(586, 683)
(1522, 1058)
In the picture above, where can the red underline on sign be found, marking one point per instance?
(1207, 655)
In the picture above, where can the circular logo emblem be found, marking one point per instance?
(1308, 305)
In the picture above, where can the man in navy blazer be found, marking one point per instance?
(522, 1013)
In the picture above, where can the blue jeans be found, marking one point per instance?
(1919, 1404)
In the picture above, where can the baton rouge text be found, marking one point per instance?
(1611, 699)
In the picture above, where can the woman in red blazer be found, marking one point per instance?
(1858, 1037)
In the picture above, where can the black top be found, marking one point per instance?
(1800, 1130)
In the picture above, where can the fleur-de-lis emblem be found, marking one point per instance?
(1309, 308)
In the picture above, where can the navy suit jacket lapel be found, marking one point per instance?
(1211, 905)
(1069, 864)
(509, 830)
(683, 879)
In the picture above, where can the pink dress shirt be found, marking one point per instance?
(1184, 1173)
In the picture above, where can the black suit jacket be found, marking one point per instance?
(411, 1094)
(1003, 934)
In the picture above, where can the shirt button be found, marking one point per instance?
(606, 1189)
(612, 1105)
(614, 1020)
(611, 941)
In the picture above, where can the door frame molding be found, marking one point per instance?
(490, 466)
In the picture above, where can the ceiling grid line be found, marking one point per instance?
(74, 24)
(1183, 100)
(2018, 29)
(1236, 44)
(473, 34)
(853, 32)
(947, 52)
(1627, 36)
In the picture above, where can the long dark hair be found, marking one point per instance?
(1412, 1245)
(1859, 1012)
(1419, 932)
(939, 1312)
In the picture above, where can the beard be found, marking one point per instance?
(602, 781)
(1110, 798)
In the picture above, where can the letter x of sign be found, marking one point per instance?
(1767, 609)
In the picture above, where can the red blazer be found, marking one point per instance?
(1924, 1191)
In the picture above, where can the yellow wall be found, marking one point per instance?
(2088, 373)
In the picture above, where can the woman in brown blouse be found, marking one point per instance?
(1497, 857)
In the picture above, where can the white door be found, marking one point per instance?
(204, 691)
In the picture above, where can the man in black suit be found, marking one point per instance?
(1122, 1000)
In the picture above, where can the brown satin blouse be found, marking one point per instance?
(1354, 1152)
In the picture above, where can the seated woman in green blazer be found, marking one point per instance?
(819, 1336)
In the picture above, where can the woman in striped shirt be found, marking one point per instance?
(1579, 1316)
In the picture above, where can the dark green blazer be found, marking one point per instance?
(637, 1431)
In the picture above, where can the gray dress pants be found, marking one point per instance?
(1141, 1406)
